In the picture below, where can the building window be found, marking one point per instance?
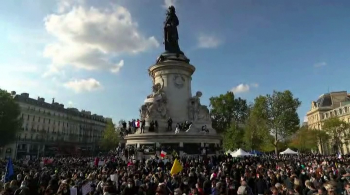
(28, 117)
(340, 111)
(345, 109)
(49, 121)
(38, 119)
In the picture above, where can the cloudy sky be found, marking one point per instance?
(94, 54)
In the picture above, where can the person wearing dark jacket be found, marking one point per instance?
(260, 185)
(130, 189)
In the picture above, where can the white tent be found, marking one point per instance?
(288, 151)
(239, 153)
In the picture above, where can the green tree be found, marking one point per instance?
(279, 111)
(227, 110)
(110, 139)
(322, 138)
(10, 121)
(233, 137)
(256, 131)
(304, 139)
(338, 130)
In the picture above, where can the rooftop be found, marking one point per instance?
(325, 100)
(40, 102)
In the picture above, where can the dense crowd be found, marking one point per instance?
(216, 175)
(134, 125)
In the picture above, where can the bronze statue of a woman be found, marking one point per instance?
(171, 35)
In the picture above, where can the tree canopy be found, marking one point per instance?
(304, 139)
(227, 110)
(10, 121)
(338, 130)
(110, 138)
(233, 137)
(279, 112)
(266, 124)
(256, 134)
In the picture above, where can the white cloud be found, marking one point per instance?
(168, 3)
(206, 41)
(53, 70)
(83, 85)
(320, 64)
(243, 88)
(89, 37)
(117, 67)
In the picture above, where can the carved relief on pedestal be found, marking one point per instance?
(155, 106)
(154, 110)
(198, 112)
(203, 114)
(179, 81)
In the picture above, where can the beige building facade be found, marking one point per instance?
(333, 104)
(50, 129)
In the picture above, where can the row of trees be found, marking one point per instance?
(335, 133)
(268, 121)
(271, 123)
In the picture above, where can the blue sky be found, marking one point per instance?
(94, 54)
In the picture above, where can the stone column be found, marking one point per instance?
(181, 145)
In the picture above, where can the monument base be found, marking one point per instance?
(167, 56)
(183, 143)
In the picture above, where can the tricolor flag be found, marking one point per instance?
(163, 153)
(137, 123)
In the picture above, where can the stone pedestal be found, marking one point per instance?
(177, 77)
(172, 98)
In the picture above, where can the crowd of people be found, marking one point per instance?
(200, 175)
(132, 126)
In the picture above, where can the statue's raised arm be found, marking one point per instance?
(171, 35)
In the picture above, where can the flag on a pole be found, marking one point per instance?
(177, 167)
(9, 170)
(163, 153)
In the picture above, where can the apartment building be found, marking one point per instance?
(50, 129)
(333, 104)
